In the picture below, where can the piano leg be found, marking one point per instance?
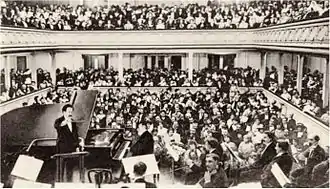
(82, 168)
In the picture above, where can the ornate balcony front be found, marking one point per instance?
(309, 36)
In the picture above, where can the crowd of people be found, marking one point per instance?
(158, 77)
(22, 83)
(310, 99)
(252, 14)
(201, 130)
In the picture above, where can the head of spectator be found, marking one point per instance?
(313, 140)
(139, 169)
(212, 162)
(281, 147)
(268, 137)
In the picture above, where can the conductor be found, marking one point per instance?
(68, 140)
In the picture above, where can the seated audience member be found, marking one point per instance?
(283, 159)
(246, 147)
(214, 176)
(139, 170)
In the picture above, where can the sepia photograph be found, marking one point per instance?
(164, 93)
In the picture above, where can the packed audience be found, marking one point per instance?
(158, 77)
(189, 126)
(53, 96)
(310, 100)
(253, 14)
(22, 83)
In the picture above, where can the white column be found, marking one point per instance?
(156, 61)
(262, 73)
(300, 73)
(190, 65)
(120, 66)
(149, 62)
(7, 72)
(166, 62)
(31, 64)
(53, 67)
(325, 89)
(221, 62)
(281, 70)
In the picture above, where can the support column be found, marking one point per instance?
(53, 67)
(166, 62)
(31, 64)
(325, 89)
(221, 62)
(149, 62)
(120, 66)
(281, 70)
(7, 72)
(190, 65)
(300, 73)
(262, 73)
(156, 61)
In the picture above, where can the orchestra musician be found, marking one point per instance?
(284, 161)
(144, 144)
(268, 153)
(314, 155)
(139, 170)
(68, 140)
(214, 176)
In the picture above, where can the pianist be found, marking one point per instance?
(67, 138)
(145, 143)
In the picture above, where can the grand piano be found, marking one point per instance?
(21, 126)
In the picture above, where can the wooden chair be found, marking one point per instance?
(99, 176)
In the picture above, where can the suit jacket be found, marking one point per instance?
(148, 184)
(67, 141)
(266, 157)
(316, 156)
(144, 145)
(218, 180)
(285, 162)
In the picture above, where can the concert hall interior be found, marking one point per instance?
(175, 93)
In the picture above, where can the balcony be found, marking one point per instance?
(310, 36)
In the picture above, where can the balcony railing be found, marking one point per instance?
(306, 36)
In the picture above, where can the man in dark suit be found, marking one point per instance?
(284, 161)
(215, 176)
(139, 171)
(314, 155)
(67, 137)
(145, 142)
(268, 153)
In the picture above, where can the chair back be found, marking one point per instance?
(99, 176)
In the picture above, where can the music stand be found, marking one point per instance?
(149, 160)
(59, 164)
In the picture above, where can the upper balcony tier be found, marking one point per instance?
(310, 36)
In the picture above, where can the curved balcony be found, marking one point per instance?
(308, 36)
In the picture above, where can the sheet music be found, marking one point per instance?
(279, 175)
(149, 160)
(19, 183)
(27, 167)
